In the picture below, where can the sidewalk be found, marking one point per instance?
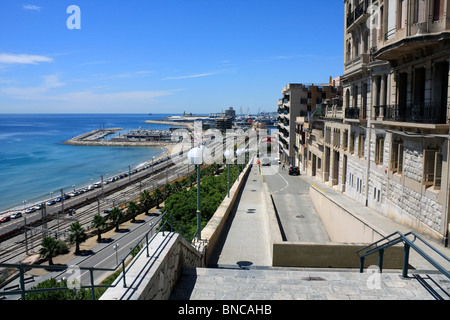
(245, 240)
(387, 226)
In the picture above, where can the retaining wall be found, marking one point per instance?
(153, 278)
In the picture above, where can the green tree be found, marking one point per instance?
(51, 247)
(77, 235)
(99, 223)
(168, 190)
(176, 186)
(146, 200)
(158, 195)
(116, 217)
(133, 210)
(64, 294)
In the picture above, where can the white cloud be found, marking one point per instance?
(189, 76)
(8, 58)
(31, 7)
(30, 93)
(132, 74)
(126, 97)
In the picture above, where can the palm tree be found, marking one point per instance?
(116, 216)
(133, 210)
(99, 223)
(51, 247)
(157, 194)
(145, 200)
(168, 189)
(77, 235)
(177, 186)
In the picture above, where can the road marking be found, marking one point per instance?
(287, 183)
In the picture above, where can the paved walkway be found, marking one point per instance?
(245, 243)
(244, 264)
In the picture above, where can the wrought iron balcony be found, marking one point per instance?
(429, 112)
(357, 13)
(352, 113)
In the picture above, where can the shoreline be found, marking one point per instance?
(167, 152)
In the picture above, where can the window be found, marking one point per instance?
(432, 169)
(361, 139)
(379, 150)
(419, 11)
(438, 10)
(345, 140)
(397, 157)
(352, 142)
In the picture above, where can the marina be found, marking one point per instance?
(134, 138)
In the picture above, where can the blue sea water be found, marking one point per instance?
(34, 162)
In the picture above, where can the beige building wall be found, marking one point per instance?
(387, 146)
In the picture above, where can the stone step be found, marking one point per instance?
(312, 284)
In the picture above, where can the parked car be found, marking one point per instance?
(51, 202)
(30, 210)
(294, 170)
(5, 219)
(265, 162)
(16, 215)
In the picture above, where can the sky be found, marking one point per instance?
(146, 56)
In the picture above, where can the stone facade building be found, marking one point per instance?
(299, 100)
(386, 143)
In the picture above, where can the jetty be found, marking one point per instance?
(96, 138)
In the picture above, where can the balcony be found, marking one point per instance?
(357, 63)
(334, 112)
(418, 113)
(359, 15)
(352, 113)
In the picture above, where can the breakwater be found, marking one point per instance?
(96, 138)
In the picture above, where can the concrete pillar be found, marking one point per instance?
(382, 94)
(375, 96)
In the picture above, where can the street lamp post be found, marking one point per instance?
(116, 248)
(195, 156)
(238, 154)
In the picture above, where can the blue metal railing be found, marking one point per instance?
(380, 247)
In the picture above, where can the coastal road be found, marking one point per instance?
(105, 255)
(290, 193)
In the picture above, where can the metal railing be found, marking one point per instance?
(145, 241)
(380, 246)
(428, 112)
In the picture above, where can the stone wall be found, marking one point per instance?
(413, 161)
(152, 278)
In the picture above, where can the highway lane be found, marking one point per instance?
(105, 255)
(290, 193)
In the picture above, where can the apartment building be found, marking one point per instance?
(386, 143)
(299, 100)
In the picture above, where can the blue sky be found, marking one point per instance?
(141, 56)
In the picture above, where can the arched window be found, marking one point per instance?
(356, 47)
(349, 51)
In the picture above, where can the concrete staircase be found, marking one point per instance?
(265, 283)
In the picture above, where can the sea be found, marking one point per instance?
(35, 164)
